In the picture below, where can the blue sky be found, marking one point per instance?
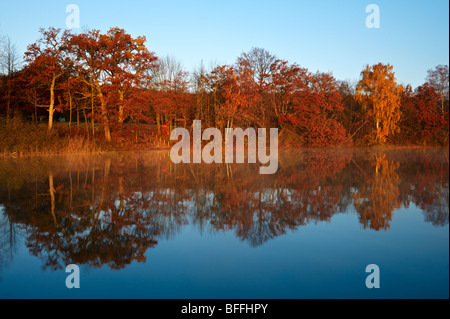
(319, 35)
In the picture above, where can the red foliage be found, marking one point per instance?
(314, 109)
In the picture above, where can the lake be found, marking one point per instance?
(139, 226)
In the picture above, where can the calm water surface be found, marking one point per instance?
(139, 226)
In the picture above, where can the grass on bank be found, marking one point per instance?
(20, 137)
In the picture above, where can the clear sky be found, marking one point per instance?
(319, 35)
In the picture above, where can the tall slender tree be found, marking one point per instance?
(380, 96)
(9, 65)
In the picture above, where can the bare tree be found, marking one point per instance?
(10, 61)
(170, 79)
(167, 71)
(438, 78)
(259, 61)
(198, 81)
(9, 64)
(8, 240)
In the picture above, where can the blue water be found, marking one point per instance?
(316, 258)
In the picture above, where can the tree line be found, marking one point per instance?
(112, 82)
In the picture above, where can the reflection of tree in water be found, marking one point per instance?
(261, 207)
(378, 196)
(109, 210)
(430, 190)
(89, 216)
(8, 239)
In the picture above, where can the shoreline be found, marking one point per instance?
(25, 154)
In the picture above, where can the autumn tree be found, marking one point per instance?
(307, 105)
(380, 96)
(431, 122)
(232, 98)
(70, 86)
(46, 64)
(287, 80)
(169, 85)
(239, 98)
(33, 94)
(128, 61)
(352, 117)
(110, 62)
(409, 124)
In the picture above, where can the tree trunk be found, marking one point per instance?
(51, 108)
(104, 116)
(8, 97)
(158, 123)
(78, 117)
(35, 113)
(52, 197)
(70, 110)
(92, 110)
(8, 104)
(86, 121)
(121, 107)
(378, 131)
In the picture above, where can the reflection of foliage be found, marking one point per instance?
(429, 187)
(379, 195)
(109, 210)
(87, 217)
